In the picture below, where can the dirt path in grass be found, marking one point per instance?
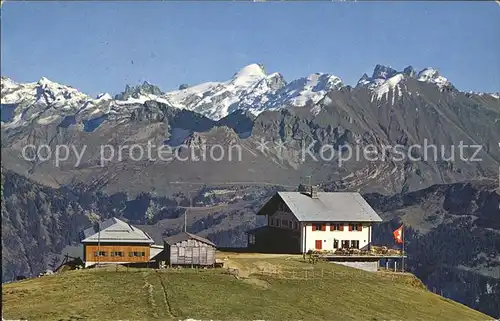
(150, 294)
(165, 296)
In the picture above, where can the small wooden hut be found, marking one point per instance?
(189, 249)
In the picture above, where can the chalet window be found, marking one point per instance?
(319, 227)
(355, 227)
(277, 223)
(284, 223)
(271, 222)
(345, 244)
(251, 239)
(336, 227)
(181, 251)
(100, 253)
(355, 244)
(335, 244)
(296, 225)
(116, 253)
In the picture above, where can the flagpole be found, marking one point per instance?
(403, 237)
(99, 244)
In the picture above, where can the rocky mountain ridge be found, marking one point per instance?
(416, 135)
(250, 89)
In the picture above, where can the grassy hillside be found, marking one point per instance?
(330, 292)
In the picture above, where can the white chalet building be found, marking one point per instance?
(298, 222)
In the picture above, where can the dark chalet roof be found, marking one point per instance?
(184, 236)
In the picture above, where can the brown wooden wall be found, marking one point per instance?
(190, 252)
(275, 240)
(89, 250)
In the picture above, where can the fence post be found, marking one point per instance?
(321, 273)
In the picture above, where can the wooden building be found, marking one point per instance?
(189, 249)
(115, 241)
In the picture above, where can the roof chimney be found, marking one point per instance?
(314, 191)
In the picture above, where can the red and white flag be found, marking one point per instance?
(398, 235)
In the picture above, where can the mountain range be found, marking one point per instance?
(442, 197)
(250, 89)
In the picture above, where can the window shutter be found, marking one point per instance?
(341, 227)
(350, 227)
(323, 227)
(360, 227)
(314, 227)
(331, 227)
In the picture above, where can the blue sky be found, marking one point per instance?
(101, 46)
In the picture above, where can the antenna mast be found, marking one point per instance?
(185, 213)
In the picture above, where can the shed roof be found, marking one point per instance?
(115, 230)
(184, 236)
(154, 250)
(330, 207)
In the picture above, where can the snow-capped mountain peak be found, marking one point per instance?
(431, 75)
(248, 75)
(383, 72)
(307, 89)
(409, 71)
(386, 79)
(104, 97)
(44, 101)
(43, 92)
(217, 99)
(46, 82)
(250, 90)
(6, 83)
